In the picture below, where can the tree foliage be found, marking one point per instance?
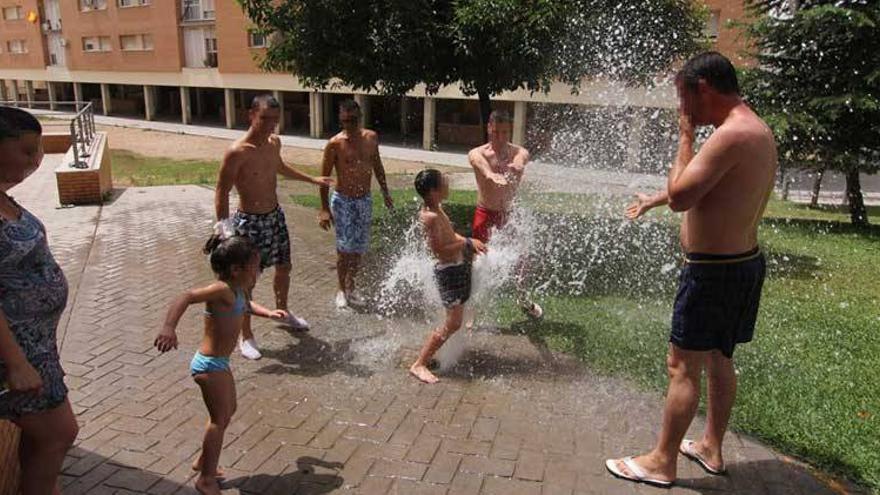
(817, 83)
(484, 46)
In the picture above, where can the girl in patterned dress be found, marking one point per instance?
(33, 294)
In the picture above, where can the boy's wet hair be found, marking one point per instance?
(500, 117)
(227, 253)
(14, 122)
(428, 180)
(714, 68)
(264, 101)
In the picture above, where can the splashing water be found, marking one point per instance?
(410, 284)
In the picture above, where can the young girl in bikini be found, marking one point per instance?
(236, 262)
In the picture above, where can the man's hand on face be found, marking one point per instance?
(685, 126)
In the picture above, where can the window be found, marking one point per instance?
(208, 9)
(136, 42)
(132, 3)
(87, 5)
(256, 40)
(12, 13)
(198, 10)
(713, 24)
(210, 51)
(96, 44)
(16, 46)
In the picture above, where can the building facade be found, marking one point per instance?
(194, 61)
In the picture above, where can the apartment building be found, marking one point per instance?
(193, 61)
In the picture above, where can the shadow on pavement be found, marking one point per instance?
(766, 476)
(312, 477)
(313, 357)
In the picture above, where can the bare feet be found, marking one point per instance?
(421, 372)
(207, 485)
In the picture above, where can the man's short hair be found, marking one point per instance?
(264, 101)
(14, 122)
(712, 67)
(500, 117)
(349, 106)
(428, 180)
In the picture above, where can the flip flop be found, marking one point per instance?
(687, 449)
(638, 474)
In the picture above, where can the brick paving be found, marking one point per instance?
(332, 410)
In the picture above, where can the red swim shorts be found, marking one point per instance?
(485, 220)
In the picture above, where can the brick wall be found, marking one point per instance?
(87, 186)
(56, 142)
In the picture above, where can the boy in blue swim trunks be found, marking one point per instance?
(354, 155)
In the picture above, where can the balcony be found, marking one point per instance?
(51, 26)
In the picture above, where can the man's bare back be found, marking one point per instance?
(725, 220)
(353, 160)
(498, 174)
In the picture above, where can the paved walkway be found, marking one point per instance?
(332, 410)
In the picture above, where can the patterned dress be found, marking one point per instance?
(33, 294)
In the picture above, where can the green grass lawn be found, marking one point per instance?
(808, 383)
(133, 169)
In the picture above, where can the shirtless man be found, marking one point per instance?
(354, 154)
(251, 166)
(499, 166)
(723, 191)
(453, 268)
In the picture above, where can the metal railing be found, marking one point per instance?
(79, 122)
(82, 135)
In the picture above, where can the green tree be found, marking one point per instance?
(484, 46)
(817, 83)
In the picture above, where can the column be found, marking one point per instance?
(430, 124)
(15, 92)
(520, 108)
(280, 97)
(149, 102)
(634, 140)
(3, 95)
(29, 93)
(105, 98)
(78, 95)
(200, 103)
(229, 105)
(404, 116)
(185, 107)
(327, 111)
(316, 114)
(364, 103)
(53, 98)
